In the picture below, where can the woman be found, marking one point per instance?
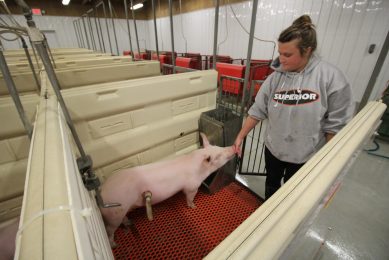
(306, 101)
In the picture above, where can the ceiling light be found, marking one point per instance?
(65, 2)
(137, 6)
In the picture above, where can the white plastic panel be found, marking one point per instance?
(14, 147)
(139, 121)
(60, 218)
(270, 229)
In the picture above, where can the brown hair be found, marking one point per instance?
(302, 29)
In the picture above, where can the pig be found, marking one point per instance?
(161, 180)
(7, 239)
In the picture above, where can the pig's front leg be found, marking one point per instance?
(126, 222)
(190, 194)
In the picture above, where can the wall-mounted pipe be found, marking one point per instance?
(86, 33)
(128, 29)
(155, 27)
(215, 32)
(172, 35)
(249, 52)
(92, 36)
(25, 47)
(136, 29)
(113, 26)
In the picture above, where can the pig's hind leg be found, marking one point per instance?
(190, 194)
(112, 220)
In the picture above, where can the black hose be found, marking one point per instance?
(370, 151)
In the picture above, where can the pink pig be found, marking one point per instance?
(162, 179)
(7, 239)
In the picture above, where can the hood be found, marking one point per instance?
(313, 61)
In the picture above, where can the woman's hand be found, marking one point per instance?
(237, 146)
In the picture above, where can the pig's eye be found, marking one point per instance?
(209, 159)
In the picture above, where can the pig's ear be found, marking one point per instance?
(205, 140)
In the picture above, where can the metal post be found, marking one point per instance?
(136, 29)
(92, 36)
(46, 44)
(86, 33)
(33, 51)
(155, 27)
(56, 87)
(106, 24)
(25, 47)
(97, 29)
(375, 73)
(14, 93)
(128, 28)
(79, 31)
(172, 35)
(249, 51)
(113, 25)
(76, 32)
(215, 33)
(101, 31)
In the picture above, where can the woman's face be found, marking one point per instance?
(290, 57)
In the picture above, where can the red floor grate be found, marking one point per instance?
(180, 232)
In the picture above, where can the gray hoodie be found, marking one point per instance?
(302, 107)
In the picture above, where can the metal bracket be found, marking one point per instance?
(91, 181)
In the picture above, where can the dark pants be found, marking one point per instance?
(276, 170)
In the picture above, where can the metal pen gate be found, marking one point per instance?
(230, 97)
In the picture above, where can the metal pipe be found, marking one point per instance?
(101, 31)
(128, 28)
(249, 52)
(82, 45)
(136, 29)
(14, 93)
(155, 27)
(86, 34)
(215, 33)
(97, 29)
(375, 73)
(25, 47)
(56, 87)
(172, 35)
(106, 24)
(92, 36)
(46, 44)
(76, 32)
(80, 30)
(113, 26)
(33, 50)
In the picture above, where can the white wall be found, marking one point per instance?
(345, 30)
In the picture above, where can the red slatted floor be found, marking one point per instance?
(180, 232)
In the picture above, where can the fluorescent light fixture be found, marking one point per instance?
(65, 2)
(137, 6)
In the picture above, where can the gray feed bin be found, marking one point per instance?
(221, 127)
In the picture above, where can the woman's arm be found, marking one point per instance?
(249, 124)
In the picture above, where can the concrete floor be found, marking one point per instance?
(355, 224)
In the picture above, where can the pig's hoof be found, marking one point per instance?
(127, 222)
(113, 244)
(191, 205)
